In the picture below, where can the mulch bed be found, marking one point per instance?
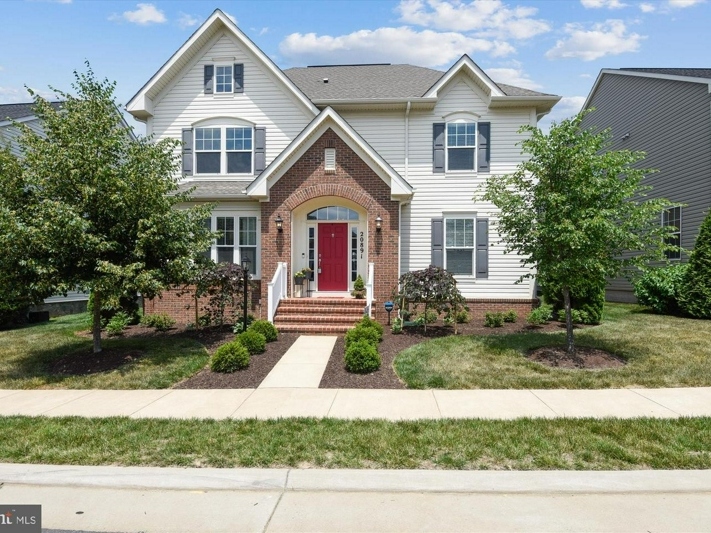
(584, 358)
(86, 362)
(337, 377)
(259, 366)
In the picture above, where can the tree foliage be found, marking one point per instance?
(97, 205)
(696, 293)
(573, 209)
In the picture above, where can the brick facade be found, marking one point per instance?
(353, 180)
(478, 308)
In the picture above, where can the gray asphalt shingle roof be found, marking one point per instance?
(689, 72)
(15, 111)
(209, 189)
(354, 82)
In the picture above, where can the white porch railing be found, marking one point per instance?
(276, 290)
(369, 290)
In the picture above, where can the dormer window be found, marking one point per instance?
(223, 79)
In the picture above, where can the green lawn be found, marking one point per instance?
(525, 444)
(27, 354)
(661, 351)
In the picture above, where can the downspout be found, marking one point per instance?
(399, 208)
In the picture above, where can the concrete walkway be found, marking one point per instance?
(302, 365)
(209, 499)
(267, 403)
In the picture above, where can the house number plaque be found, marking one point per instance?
(362, 244)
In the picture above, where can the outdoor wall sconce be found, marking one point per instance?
(279, 223)
(378, 223)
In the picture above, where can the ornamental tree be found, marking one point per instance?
(574, 208)
(696, 288)
(99, 205)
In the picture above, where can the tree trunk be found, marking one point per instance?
(96, 322)
(570, 344)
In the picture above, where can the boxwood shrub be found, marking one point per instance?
(230, 357)
(362, 357)
(266, 328)
(253, 341)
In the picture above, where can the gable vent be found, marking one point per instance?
(330, 160)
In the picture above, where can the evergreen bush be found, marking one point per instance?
(362, 357)
(254, 342)
(362, 333)
(695, 297)
(266, 328)
(230, 357)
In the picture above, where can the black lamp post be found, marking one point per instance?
(245, 272)
(389, 308)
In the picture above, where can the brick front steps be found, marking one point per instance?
(318, 315)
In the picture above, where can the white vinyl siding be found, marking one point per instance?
(264, 102)
(439, 195)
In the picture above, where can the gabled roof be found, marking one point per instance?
(465, 64)
(215, 189)
(690, 75)
(328, 118)
(141, 105)
(21, 111)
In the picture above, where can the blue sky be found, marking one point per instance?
(554, 46)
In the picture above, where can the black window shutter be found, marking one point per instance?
(484, 155)
(187, 151)
(437, 242)
(482, 247)
(208, 72)
(438, 147)
(238, 72)
(260, 150)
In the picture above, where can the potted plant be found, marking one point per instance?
(301, 275)
(358, 288)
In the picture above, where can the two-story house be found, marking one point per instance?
(349, 170)
(666, 113)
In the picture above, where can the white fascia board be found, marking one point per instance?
(366, 101)
(138, 103)
(259, 188)
(465, 62)
(543, 104)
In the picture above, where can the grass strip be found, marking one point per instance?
(525, 444)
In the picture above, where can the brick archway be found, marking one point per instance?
(328, 189)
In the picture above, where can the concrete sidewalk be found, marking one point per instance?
(176, 500)
(269, 403)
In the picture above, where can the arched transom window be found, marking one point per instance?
(332, 212)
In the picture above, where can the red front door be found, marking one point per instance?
(333, 257)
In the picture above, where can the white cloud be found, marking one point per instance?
(647, 8)
(512, 76)
(489, 18)
(603, 39)
(684, 3)
(586, 75)
(596, 4)
(388, 45)
(231, 17)
(566, 108)
(15, 95)
(187, 21)
(144, 15)
(264, 30)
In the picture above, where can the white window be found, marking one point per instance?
(223, 79)
(233, 156)
(459, 245)
(237, 239)
(672, 217)
(461, 145)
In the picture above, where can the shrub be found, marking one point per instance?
(578, 315)
(238, 326)
(361, 333)
(359, 284)
(230, 357)
(448, 321)
(367, 322)
(591, 300)
(117, 324)
(266, 328)
(396, 327)
(510, 316)
(362, 357)
(128, 304)
(695, 297)
(494, 320)
(660, 289)
(430, 316)
(540, 315)
(462, 317)
(160, 321)
(254, 342)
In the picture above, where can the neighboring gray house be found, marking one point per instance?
(10, 116)
(665, 112)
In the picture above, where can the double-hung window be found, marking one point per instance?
(226, 240)
(236, 241)
(461, 145)
(459, 245)
(223, 79)
(223, 150)
(672, 218)
(248, 241)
